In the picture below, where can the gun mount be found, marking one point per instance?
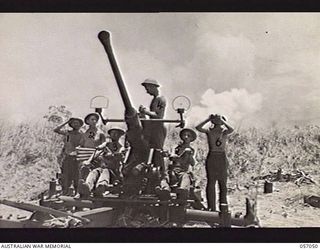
(180, 104)
(181, 110)
(112, 211)
(140, 148)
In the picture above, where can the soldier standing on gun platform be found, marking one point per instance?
(70, 165)
(217, 162)
(154, 132)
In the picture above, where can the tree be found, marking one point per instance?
(57, 114)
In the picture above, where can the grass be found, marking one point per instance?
(29, 155)
(29, 158)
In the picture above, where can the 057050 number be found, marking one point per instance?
(308, 245)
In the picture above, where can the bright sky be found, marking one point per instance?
(253, 68)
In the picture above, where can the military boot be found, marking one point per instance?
(98, 192)
(163, 194)
(182, 195)
(83, 189)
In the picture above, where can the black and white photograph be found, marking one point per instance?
(159, 120)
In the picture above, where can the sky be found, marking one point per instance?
(256, 69)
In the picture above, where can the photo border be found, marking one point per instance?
(126, 235)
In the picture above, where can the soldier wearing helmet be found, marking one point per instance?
(154, 132)
(105, 166)
(70, 166)
(217, 162)
(180, 174)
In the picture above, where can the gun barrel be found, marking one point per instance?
(104, 37)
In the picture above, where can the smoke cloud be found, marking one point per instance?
(237, 105)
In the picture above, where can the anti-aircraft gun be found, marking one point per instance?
(124, 209)
(141, 155)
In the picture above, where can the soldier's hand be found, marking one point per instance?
(118, 156)
(87, 162)
(101, 146)
(187, 151)
(74, 153)
(165, 153)
(222, 120)
(142, 109)
(173, 157)
(65, 122)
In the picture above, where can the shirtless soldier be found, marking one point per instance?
(217, 162)
(155, 132)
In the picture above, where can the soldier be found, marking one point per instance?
(180, 174)
(155, 132)
(106, 166)
(92, 138)
(115, 155)
(217, 162)
(70, 166)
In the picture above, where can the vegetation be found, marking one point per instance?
(30, 154)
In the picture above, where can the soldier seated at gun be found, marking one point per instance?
(179, 171)
(105, 165)
(114, 154)
(92, 138)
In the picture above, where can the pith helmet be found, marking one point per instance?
(217, 119)
(88, 116)
(150, 81)
(193, 134)
(118, 130)
(72, 119)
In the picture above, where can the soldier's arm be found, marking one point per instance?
(192, 161)
(200, 126)
(102, 145)
(229, 129)
(82, 140)
(58, 129)
(174, 155)
(160, 109)
(102, 137)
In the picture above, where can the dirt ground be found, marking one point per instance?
(284, 207)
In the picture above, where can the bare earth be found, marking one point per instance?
(282, 208)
